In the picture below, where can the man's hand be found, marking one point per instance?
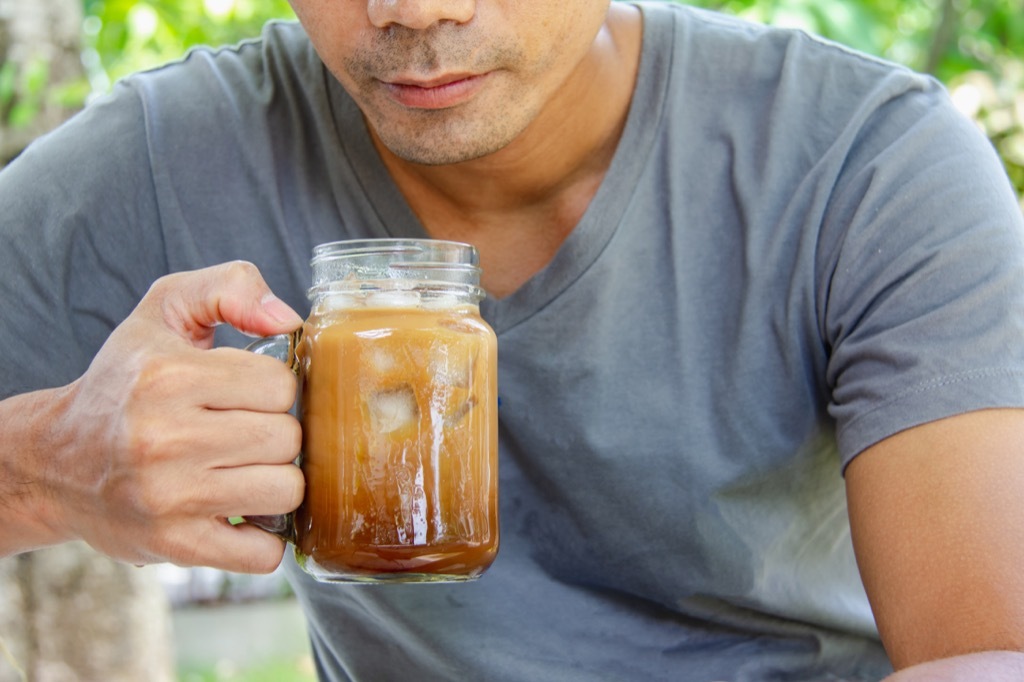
(148, 454)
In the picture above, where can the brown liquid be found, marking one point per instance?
(399, 413)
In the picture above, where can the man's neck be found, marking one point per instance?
(519, 204)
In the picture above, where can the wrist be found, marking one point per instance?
(29, 506)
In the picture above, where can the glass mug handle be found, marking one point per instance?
(283, 347)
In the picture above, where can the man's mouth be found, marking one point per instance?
(441, 92)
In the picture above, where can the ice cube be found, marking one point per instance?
(440, 302)
(380, 361)
(392, 409)
(337, 300)
(452, 363)
(393, 299)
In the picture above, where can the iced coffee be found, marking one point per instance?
(398, 406)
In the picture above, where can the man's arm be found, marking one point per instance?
(937, 514)
(163, 438)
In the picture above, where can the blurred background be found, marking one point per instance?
(55, 54)
(67, 614)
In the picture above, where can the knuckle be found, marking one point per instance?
(280, 491)
(298, 489)
(191, 544)
(160, 376)
(241, 271)
(144, 444)
(163, 286)
(279, 386)
(285, 490)
(293, 435)
(279, 437)
(151, 407)
(146, 441)
(151, 501)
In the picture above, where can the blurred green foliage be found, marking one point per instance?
(22, 90)
(297, 670)
(976, 47)
(123, 36)
(942, 37)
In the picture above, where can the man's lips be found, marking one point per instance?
(436, 93)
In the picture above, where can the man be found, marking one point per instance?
(739, 277)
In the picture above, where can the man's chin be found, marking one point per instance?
(440, 149)
(439, 157)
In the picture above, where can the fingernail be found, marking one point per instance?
(280, 311)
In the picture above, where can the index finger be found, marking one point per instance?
(193, 303)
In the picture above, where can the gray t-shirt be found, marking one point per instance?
(796, 252)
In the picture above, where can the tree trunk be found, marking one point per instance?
(40, 56)
(73, 615)
(66, 613)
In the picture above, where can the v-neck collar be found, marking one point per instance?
(599, 222)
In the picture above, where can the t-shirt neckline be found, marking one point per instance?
(599, 222)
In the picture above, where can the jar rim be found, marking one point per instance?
(374, 264)
(423, 249)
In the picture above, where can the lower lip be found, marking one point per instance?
(440, 97)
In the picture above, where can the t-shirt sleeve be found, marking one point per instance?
(923, 291)
(79, 242)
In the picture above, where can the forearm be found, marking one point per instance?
(29, 432)
(992, 666)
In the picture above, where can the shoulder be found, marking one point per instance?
(281, 47)
(228, 107)
(777, 107)
(278, 65)
(732, 36)
(793, 77)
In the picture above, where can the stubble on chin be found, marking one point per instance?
(443, 137)
(439, 136)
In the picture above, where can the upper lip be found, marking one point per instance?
(426, 83)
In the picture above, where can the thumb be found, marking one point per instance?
(194, 303)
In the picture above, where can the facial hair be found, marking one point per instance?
(441, 136)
